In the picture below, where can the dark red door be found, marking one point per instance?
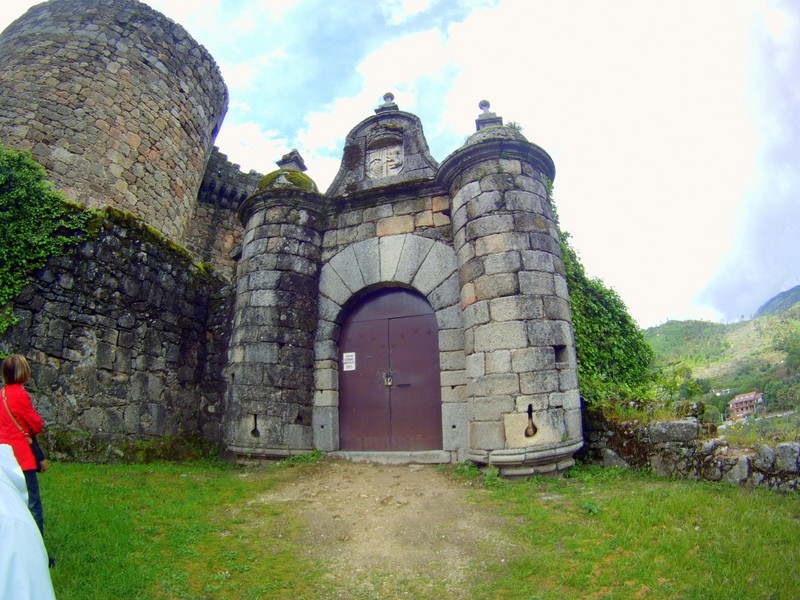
(389, 395)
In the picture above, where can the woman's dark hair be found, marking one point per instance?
(16, 369)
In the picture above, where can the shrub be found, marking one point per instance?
(36, 222)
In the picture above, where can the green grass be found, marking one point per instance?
(164, 530)
(753, 431)
(613, 534)
(201, 530)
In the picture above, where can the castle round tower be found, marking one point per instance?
(522, 388)
(269, 412)
(118, 103)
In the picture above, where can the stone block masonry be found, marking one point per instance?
(475, 237)
(513, 294)
(126, 338)
(216, 232)
(678, 449)
(272, 380)
(122, 108)
(118, 103)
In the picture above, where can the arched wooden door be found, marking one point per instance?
(389, 387)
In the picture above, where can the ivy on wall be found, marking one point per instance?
(36, 222)
(613, 355)
(614, 358)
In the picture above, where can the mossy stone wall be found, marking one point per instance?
(127, 339)
(683, 449)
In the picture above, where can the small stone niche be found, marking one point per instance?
(561, 355)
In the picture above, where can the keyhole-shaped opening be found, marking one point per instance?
(254, 431)
(530, 430)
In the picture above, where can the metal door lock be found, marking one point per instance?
(387, 378)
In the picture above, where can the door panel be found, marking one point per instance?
(365, 418)
(415, 393)
(395, 333)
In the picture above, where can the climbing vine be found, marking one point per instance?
(36, 222)
(613, 355)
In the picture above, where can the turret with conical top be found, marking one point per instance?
(522, 390)
(272, 350)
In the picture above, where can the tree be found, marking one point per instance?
(793, 353)
(677, 383)
(782, 394)
(36, 222)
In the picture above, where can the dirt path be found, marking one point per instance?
(395, 531)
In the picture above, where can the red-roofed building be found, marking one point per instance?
(745, 404)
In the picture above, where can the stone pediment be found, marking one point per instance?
(383, 150)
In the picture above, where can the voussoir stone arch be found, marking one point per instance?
(406, 260)
(425, 265)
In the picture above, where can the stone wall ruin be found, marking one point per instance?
(680, 449)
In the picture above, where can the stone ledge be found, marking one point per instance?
(431, 457)
(532, 458)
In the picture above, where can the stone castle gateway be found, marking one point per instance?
(414, 308)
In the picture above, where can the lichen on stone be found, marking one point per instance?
(495, 132)
(287, 178)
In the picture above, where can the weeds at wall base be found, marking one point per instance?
(80, 446)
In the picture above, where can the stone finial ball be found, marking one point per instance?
(388, 97)
(484, 105)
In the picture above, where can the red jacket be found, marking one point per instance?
(19, 403)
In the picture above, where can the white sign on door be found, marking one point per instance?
(349, 361)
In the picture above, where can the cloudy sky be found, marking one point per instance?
(674, 126)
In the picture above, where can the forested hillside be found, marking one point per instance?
(717, 361)
(783, 301)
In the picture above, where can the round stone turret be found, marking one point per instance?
(289, 175)
(286, 179)
(269, 413)
(522, 384)
(118, 103)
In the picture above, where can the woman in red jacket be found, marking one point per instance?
(18, 422)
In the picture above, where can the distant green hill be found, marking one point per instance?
(740, 356)
(781, 302)
(689, 341)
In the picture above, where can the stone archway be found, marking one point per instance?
(427, 266)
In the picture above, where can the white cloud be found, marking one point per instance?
(395, 67)
(781, 25)
(276, 9)
(401, 62)
(192, 14)
(321, 141)
(644, 107)
(249, 146)
(243, 76)
(637, 107)
(326, 129)
(399, 11)
(253, 148)
(8, 16)
(235, 104)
